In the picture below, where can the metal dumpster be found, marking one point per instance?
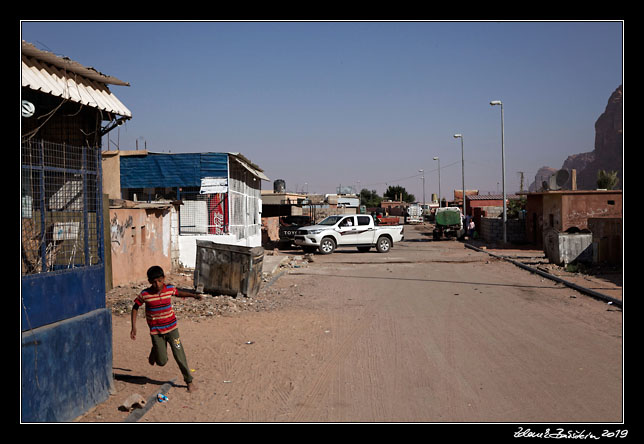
(228, 269)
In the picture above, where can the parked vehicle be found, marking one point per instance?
(381, 218)
(348, 231)
(388, 220)
(414, 214)
(448, 223)
(289, 226)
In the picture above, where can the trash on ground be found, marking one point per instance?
(132, 402)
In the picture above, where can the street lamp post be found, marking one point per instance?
(439, 181)
(423, 171)
(460, 136)
(505, 214)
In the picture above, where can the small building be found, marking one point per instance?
(458, 198)
(278, 206)
(282, 203)
(568, 210)
(219, 194)
(487, 203)
(66, 347)
(141, 235)
(484, 201)
(394, 207)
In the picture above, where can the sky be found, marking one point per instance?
(368, 104)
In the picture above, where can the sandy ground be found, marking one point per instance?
(350, 337)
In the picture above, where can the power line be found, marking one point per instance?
(387, 182)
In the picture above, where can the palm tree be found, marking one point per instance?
(607, 180)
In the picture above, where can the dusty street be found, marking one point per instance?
(430, 332)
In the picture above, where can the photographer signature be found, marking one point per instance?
(571, 434)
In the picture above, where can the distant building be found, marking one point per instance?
(485, 201)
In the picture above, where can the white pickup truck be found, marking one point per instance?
(348, 231)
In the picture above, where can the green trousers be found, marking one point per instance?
(159, 353)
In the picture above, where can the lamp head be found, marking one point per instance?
(456, 136)
(496, 102)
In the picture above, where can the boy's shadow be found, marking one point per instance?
(139, 380)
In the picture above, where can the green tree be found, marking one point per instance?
(370, 199)
(607, 180)
(397, 192)
(516, 206)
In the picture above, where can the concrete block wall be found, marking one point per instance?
(491, 229)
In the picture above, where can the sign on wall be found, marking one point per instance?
(213, 185)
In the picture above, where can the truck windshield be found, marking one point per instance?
(331, 220)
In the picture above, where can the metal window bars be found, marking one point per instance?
(236, 212)
(61, 207)
(245, 194)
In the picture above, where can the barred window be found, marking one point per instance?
(61, 207)
(203, 213)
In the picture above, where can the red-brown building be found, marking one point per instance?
(566, 210)
(489, 200)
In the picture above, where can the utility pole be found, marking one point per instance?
(505, 211)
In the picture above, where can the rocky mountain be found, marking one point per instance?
(608, 152)
(609, 144)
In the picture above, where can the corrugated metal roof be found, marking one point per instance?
(149, 170)
(70, 80)
(171, 170)
(254, 169)
(492, 196)
(68, 64)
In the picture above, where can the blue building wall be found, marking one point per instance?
(66, 352)
(66, 367)
(171, 170)
(52, 297)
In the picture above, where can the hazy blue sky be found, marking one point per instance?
(357, 103)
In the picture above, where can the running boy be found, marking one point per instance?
(162, 322)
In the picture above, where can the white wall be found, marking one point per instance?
(188, 245)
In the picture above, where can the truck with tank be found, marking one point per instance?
(448, 223)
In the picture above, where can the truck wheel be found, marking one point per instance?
(363, 249)
(327, 246)
(383, 245)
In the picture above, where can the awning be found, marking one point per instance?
(253, 169)
(61, 77)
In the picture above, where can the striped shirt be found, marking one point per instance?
(158, 309)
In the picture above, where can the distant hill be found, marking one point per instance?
(607, 155)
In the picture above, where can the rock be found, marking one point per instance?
(607, 154)
(133, 401)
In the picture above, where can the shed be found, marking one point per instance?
(220, 194)
(66, 348)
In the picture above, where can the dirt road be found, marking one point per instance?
(430, 332)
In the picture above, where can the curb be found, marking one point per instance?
(588, 291)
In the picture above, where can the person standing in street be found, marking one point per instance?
(162, 322)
